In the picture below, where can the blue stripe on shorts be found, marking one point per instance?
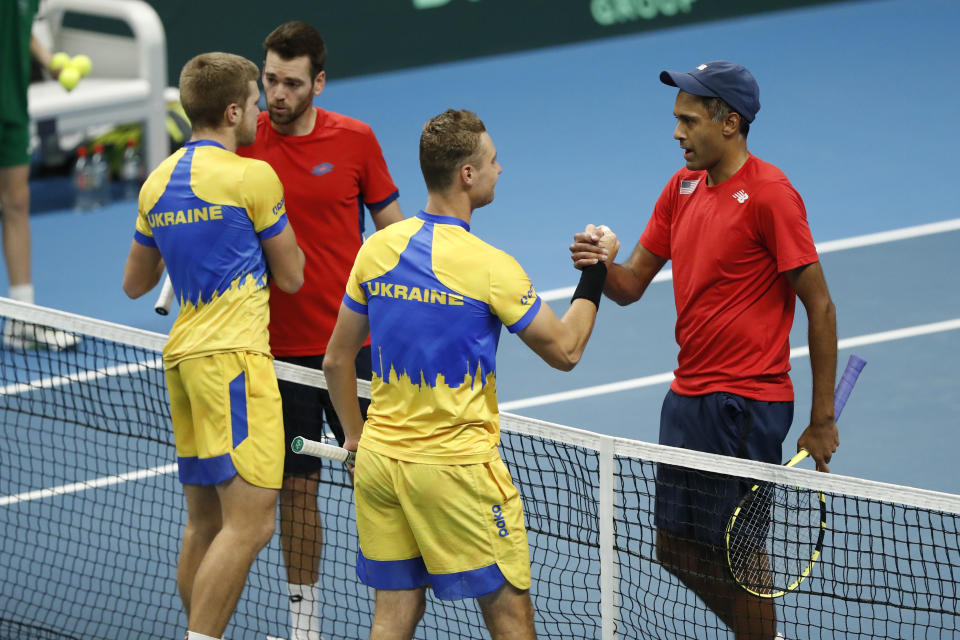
(412, 573)
(238, 409)
(206, 471)
(392, 574)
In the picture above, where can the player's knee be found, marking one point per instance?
(202, 531)
(673, 555)
(261, 534)
(15, 205)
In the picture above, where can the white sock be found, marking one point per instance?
(193, 635)
(304, 620)
(22, 292)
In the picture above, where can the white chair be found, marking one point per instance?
(128, 78)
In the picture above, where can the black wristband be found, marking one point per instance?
(590, 286)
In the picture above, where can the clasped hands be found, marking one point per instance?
(594, 244)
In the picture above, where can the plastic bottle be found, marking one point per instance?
(131, 171)
(101, 176)
(83, 182)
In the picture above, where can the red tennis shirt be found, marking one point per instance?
(328, 176)
(730, 245)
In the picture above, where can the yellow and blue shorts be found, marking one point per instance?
(458, 528)
(227, 419)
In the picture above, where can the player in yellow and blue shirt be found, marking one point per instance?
(440, 302)
(217, 222)
(207, 210)
(435, 504)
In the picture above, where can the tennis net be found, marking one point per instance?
(91, 515)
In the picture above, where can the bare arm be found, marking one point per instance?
(42, 55)
(821, 437)
(339, 367)
(628, 281)
(561, 342)
(143, 269)
(387, 215)
(625, 282)
(285, 259)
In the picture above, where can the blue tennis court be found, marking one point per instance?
(858, 103)
(855, 109)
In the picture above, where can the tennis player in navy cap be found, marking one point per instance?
(737, 233)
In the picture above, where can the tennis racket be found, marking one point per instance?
(165, 299)
(321, 450)
(775, 535)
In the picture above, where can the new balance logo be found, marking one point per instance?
(741, 196)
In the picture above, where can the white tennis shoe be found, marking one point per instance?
(25, 335)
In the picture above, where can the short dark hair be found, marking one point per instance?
(448, 140)
(210, 82)
(294, 39)
(718, 109)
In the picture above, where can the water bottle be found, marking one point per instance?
(101, 176)
(83, 182)
(131, 171)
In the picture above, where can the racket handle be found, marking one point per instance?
(854, 366)
(320, 450)
(165, 299)
(800, 455)
(849, 378)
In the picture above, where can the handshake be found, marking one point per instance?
(69, 70)
(594, 244)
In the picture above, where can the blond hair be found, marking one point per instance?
(447, 142)
(210, 82)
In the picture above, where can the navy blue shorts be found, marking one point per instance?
(307, 410)
(699, 504)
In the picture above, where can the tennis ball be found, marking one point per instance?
(69, 77)
(59, 60)
(82, 64)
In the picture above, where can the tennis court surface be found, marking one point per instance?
(90, 507)
(91, 512)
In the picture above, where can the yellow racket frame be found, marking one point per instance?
(818, 547)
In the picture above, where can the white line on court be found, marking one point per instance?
(75, 487)
(823, 247)
(81, 376)
(613, 387)
(662, 378)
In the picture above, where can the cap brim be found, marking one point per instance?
(686, 82)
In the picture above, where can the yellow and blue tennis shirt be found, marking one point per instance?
(207, 209)
(437, 297)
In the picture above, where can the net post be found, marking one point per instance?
(609, 577)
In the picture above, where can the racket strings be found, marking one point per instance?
(774, 537)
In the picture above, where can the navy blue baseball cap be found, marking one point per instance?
(720, 79)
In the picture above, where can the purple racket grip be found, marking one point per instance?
(854, 366)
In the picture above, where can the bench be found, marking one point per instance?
(127, 81)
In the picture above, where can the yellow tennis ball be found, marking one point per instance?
(82, 64)
(69, 77)
(59, 60)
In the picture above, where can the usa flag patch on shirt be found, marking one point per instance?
(687, 186)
